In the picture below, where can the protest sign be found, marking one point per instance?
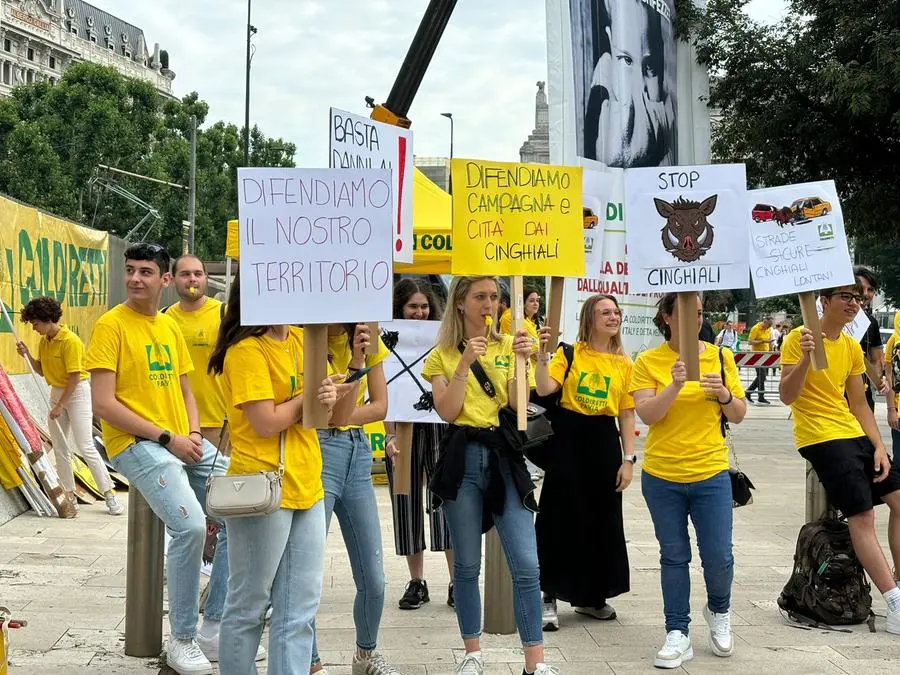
(356, 142)
(687, 228)
(597, 190)
(516, 219)
(798, 241)
(409, 396)
(316, 245)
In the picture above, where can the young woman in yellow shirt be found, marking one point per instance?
(276, 559)
(685, 473)
(479, 478)
(580, 533)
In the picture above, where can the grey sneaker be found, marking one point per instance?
(113, 505)
(720, 638)
(372, 664)
(472, 664)
(549, 617)
(605, 613)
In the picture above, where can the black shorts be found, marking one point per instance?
(846, 468)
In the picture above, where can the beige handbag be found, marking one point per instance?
(252, 494)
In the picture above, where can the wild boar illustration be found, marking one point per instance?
(687, 234)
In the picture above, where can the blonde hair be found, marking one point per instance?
(453, 328)
(586, 323)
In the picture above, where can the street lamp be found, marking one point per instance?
(251, 31)
(449, 116)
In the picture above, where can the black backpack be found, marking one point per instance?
(828, 585)
(542, 456)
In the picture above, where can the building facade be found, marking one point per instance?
(39, 39)
(536, 150)
(436, 169)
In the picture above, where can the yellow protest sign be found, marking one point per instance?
(516, 219)
(44, 255)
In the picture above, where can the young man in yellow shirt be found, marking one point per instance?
(760, 340)
(840, 438)
(139, 361)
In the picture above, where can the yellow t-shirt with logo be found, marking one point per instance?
(499, 363)
(148, 354)
(201, 329)
(340, 354)
(760, 332)
(61, 356)
(597, 384)
(821, 413)
(261, 369)
(685, 446)
(888, 350)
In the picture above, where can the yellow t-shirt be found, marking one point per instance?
(201, 329)
(821, 413)
(61, 356)
(759, 332)
(479, 410)
(888, 350)
(685, 446)
(506, 328)
(340, 355)
(262, 369)
(597, 384)
(148, 355)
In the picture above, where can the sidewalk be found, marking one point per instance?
(67, 578)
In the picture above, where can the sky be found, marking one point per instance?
(314, 54)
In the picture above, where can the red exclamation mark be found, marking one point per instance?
(401, 170)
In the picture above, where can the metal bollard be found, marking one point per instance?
(498, 590)
(143, 579)
(817, 506)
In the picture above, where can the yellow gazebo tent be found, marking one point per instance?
(432, 225)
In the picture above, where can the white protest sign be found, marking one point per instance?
(356, 142)
(687, 228)
(858, 327)
(409, 396)
(798, 242)
(316, 245)
(597, 188)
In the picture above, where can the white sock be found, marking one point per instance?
(210, 628)
(892, 598)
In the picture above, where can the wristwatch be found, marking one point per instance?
(165, 438)
(630, 458)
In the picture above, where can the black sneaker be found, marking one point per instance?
(416, 594)
(763, 401)
(450, 601)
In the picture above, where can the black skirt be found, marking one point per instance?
(580, 535)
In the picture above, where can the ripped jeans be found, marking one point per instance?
(177, 492)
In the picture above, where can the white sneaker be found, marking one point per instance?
(472, 664)
(372, 664)
(113, 505)
(544, 669)
(720, 639)
(549, 617)
(676, 651)
(186, 658)
(210, 648)
(893, 622)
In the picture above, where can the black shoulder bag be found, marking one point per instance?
(740, 482)
(542, 455)
(539, 429)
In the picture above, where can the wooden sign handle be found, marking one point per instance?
(810, 315)
(315, 369)
(554, 314)
(372, 349)
(518, 313)
(688, 340)
(402, 464)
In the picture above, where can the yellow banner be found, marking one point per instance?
(516, 219)
(44, 255)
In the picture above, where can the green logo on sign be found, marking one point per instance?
(826, 231)
(593, 385)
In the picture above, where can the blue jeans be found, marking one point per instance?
(709, 504)
(347, 478)
(516, 530)
(177, 494)
(278, 558)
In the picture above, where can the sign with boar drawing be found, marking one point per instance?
(687, 228)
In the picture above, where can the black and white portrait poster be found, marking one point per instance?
(621, 58)
(409, 396)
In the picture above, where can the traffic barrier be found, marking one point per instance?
(757, 359)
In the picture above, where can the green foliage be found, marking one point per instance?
(53, 137)
(814, 97)
(883, 254)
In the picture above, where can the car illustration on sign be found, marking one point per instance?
(590, 219)
(763, 212)
(810, 207)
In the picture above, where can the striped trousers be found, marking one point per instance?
(409, 510)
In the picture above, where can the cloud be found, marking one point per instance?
(314, 54)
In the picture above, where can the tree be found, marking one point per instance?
(52, 139)
(883, 254)
(814, 97)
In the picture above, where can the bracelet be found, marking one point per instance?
(196, 432)
(730, 399)
(461, 378)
